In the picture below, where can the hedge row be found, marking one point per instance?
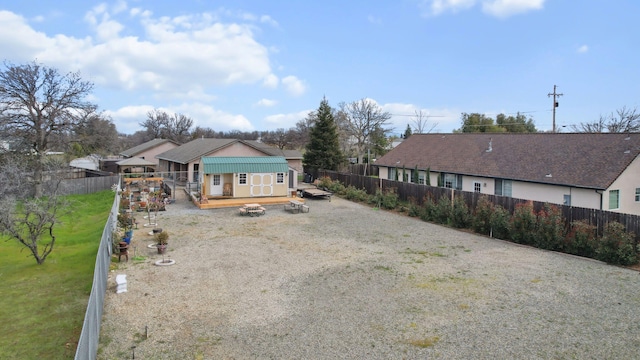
(544, 229)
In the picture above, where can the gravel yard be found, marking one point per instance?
(346, 281)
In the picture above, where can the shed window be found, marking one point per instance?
(280, 178)
(242, 179)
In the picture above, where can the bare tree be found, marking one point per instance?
(627, 120)
(364, 118)
(278, 138)
(37, 103)
(159, 124)
(421, 123)
(31, 220)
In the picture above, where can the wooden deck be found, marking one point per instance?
(238, 202)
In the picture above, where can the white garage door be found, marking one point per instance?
(261, 184)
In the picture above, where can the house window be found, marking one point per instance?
(614, 199)
(451, 181)
(242, 179)
(196, 169)
(637, 194)
(391, 174)
(567, 200)
(477, 186)
(421, 179)
(280, 178)
(503, 187)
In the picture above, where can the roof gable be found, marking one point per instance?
(244, 164)
(195, 149)
(583, 159)
(145, 146)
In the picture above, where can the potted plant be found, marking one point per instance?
(162, 239)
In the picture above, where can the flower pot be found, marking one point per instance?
(161, 248)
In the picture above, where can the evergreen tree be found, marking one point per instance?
(407, 132)
(323, 149)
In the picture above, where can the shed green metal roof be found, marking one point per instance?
(244, 164)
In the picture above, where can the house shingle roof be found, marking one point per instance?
(145, 146)
(575, 159)
(197, 148)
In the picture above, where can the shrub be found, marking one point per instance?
(550, 229)
(460, 215)
(523, 224)
(500, 223)
(581, 239)
(352, 193)
(428, 210)
(482, 217)
(617, 246)
(386, 200)
(442, 210)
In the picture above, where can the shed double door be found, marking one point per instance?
(262, 184)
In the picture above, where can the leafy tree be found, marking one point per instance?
(627, 120)
(323, 149)
(475, 122)
(516, 124)
(365, 118)
(31, 220)
(37, 104)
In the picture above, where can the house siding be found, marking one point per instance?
(626, 183)
(554, 194)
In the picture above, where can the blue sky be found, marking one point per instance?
(261, 65)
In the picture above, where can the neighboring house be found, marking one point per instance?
(150, 149)
(193, 161)
(598, 171)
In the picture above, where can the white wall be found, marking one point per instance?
(626, 183)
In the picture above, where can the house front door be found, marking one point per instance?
(215, 187)
(261, 184)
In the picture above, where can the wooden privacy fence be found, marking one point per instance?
(416, 193)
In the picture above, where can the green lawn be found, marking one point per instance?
(43, 306)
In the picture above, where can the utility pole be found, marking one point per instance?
(555, 105)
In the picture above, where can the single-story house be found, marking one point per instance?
(135, 165)
(150, 149)
(590, 170)
(193, 161)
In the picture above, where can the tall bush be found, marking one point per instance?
(523, 224)
(460, 215)
(482, 216)
(550, 230)
(581, 239)
(442, 210)
(617, 246)
(500, 223)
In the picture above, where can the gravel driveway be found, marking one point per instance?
(346, 281)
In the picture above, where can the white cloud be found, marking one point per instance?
(497, 8)
(271, 81)
(294, 86)
(437, 7)
(506, 8)
(583, 49)
(266, 103)
(285, 121)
